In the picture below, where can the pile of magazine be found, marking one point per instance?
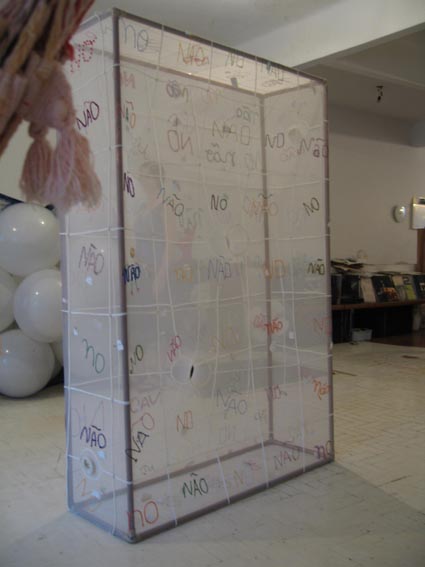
(352, 284)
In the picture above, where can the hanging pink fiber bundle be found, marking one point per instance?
(33, 87)
(64, 176)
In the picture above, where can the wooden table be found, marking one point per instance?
(382, 318)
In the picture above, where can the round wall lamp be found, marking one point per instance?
(399, 213)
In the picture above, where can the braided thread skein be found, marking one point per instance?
(63, 176)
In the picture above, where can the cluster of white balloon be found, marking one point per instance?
(30, 299)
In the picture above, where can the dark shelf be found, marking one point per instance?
(384, 319)
(350, 306)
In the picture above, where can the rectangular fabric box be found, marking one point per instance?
(197, 294)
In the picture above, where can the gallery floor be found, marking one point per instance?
(366, 509)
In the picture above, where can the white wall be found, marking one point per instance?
(372, 169)
(336, 27)
(12, 161)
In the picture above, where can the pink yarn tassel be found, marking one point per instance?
(64, 176)
(36, 166)
(72, 179)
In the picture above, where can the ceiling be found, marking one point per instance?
(228, 22)
(398, 64)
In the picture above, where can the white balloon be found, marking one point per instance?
(7, 290)
(57, 367)
(29, 239)
(58, 350)
(37, 306)
(25, 365)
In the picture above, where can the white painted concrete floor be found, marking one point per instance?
(366, 509)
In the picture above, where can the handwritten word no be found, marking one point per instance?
(91, 259)
(218, 201)
(140, 38)
(146, 469)
(233, 59)
(316, 267)
(186, 422)
(83, 52)
(227, 434)
(193, 487)
(239, 477)
(324, 451)
(94, 436)
(312, 207)
(321, 389)
(216, 155)
(323, 326)
(175, 90)
(191, 220)
(231, 402)
(91, 113)
(184, 273)
(275, 142)
(129, 185)
(247, 113)
(241, 134)
(273, 71)
(136, 357)
(228, 341)
(137, 405)
(178, 141)
(170, 200)
(272, 327)
(275, 269)
(138, 443)
(85, 493)
(149, 514)
(316, 146)
(127, 112)
(219, 268)
(284, 456)
(257, 207)
(274, 392)
(320, 147)
(127, 80)
(131, 273)
(194, 54)
(98, 360)
(260, 415)
(175, 345)
(146, 420)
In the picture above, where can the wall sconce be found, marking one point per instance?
(399, 213)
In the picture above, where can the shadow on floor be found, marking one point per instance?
(414, 339)
(330, 514)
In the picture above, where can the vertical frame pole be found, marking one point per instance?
(268, 284)
(328, 281)
(121, 256)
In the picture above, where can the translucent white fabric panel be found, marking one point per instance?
(91, 74)
(94, 272)
(97, 473)
(296, 136)
(196, 294)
